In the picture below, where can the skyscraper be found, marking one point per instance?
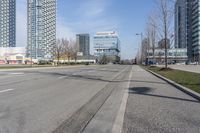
(7, 23)
(41, 28)
(187, 27)
(83, 42)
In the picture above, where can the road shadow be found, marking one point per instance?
(100, 70)
(140, 90)
(97, 78)
(91, 77)
(145, 92)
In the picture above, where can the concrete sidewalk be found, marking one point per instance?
(155, 106)
(189, 68)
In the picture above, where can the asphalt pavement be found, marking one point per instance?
(93, 99)
(42, 100)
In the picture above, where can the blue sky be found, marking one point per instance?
(127, 17)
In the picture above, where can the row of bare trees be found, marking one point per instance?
(159, 27)
(66, 50)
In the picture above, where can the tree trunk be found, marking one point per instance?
(165, 49)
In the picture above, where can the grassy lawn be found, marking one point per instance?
(187, 79)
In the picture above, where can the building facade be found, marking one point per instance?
(7, 23)
(175, 55)
(41, 28)
(187, 33)
(161, 44)
(181, 24)
(12, 55)
(108, 44)
(83, 43)
(195, 30)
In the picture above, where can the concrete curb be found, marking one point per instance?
(178, 86)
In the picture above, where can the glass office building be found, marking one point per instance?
(187, 25)
(41, 28)
(181, 24)
(196, 30)
(175, 55)
(107, 43)
(7, 23)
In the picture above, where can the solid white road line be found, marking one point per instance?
(6, 90)
(118, 124)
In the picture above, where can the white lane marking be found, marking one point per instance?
(16, 73)
(63, 77)
(76, 73)
(6, 90)
(32, 73)
(120, 72)
(118, 124)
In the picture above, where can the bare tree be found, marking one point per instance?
(66, 49)
(70, 49)
(58, 50)
(165, 16)
(144, 49)
(74, 49)
(148, 42)
(152, 23)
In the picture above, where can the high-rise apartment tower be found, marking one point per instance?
(41, 29)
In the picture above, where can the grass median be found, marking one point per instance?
(187, 79)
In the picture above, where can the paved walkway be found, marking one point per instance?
(190, 68)
(154, 106)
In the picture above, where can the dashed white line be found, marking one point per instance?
(118, 124)
(6, 90)
(90, 71)
(16, 73)
(63, 77)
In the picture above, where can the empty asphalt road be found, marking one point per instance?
(56, 99)
(93, 99)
